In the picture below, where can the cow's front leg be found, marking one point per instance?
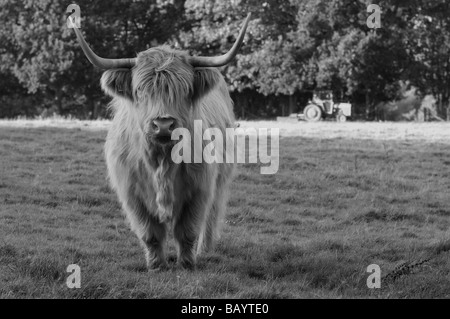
(150, 231)
(154, 240)
(187, 227)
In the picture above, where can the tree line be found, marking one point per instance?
(292, 47)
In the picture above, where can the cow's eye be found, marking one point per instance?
(139, 93)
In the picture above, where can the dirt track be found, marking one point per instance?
(426, 132)
(431, 132)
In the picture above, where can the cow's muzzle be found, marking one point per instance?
(162, 128)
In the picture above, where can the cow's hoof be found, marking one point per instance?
(157, 267)
(186, 265)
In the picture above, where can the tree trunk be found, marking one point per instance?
(242, 102)
(58, 101)
(367, 105)
(440, 106)
(292, 103)
(448, 113)
(95, 110)
(447, 106)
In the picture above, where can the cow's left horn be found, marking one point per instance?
(198, 61)
(102, 63)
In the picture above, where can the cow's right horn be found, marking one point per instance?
(102, 63)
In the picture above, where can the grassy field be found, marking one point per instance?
(343, 198)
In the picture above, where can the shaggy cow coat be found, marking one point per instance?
(156, 194)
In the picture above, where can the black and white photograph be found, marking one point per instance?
(221, 154)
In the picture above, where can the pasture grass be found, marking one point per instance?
(310, 231)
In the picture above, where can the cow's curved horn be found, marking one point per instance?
(102, 63)
(198, 61)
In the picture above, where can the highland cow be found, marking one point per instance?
(153, 94)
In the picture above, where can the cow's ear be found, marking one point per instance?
(205, 79)
(117, 83)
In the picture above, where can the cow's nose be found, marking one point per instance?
(164, 125)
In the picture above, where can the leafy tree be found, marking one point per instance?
(427, 39)
(35, 50)
(42, 53)
(291, 48)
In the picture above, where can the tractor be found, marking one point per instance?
(322, 106)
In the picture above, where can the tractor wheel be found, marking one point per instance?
(341, 118)
(312, 113)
